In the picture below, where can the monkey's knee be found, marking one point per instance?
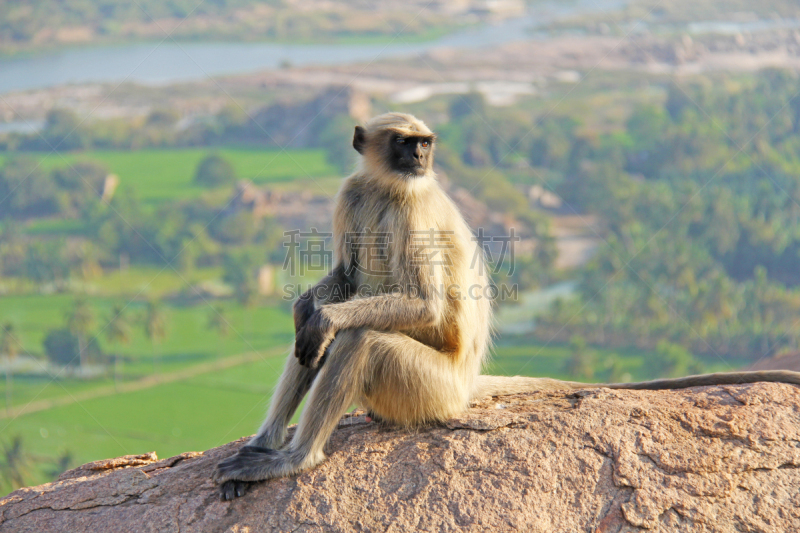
(349, 339)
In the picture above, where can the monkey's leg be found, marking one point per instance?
(289, 392)
(337, 385)
(403, 381)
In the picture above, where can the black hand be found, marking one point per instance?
(310, 343)
(302, 310)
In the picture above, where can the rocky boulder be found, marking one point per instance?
(703, 459)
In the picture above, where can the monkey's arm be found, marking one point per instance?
(388, 312)
(335, 287)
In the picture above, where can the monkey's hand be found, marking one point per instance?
(312, 341)
(302, 310)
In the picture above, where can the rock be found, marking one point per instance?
(703, 459)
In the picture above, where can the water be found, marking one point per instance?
(21, 126)
(732, 28)
(521, 318)
(169, 62)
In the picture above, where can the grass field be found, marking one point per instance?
(189, 339)
(532, 358)
(159, 175)
(195, 414)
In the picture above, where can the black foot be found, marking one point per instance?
(233, 489)
(251, 463)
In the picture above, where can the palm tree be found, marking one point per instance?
(118, 331)
(9, 345)
(219, 322)
(61, 464)
(80, 320)
(155, 328)
(14, 463)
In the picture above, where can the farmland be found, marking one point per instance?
(162, 175)
(189, 340)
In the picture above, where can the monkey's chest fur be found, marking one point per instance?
(414, 244)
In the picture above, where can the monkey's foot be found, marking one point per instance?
(233, 489)
(254, 463)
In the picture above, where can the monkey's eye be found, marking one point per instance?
(425, 144)
(400, 140)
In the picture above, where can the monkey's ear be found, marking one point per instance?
(360, 139)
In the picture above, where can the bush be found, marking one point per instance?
(675, 361)
(63, 131)
(214, 171)
(62, 348)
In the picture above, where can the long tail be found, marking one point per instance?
(500, 385)
(720, 378)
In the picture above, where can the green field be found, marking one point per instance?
(159, 175)
(533, 358)
(189, 339)
(195, 414)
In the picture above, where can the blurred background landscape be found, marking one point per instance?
(158, 159)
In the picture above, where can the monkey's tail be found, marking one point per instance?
(500, 385)
(720, 378)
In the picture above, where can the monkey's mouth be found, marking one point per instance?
(412, 169)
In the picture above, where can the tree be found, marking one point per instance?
(677, 102)
(63, 130)
(465, 105)
(240, 272)
(27, 188)
(10, 346)
(61, 464)
(79, 185)
(163, 118)
(214, 171)
(155, 327)
(62, 347)
(218, 322)
(80, 321)
(118, 331)
(45, 262)
(15, 464)
(330, 138)
(675, 361)
(581, 362)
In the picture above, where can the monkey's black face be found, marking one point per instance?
(410, 156)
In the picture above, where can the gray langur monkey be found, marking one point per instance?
(409, 348)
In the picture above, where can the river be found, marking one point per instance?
(170, 62)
